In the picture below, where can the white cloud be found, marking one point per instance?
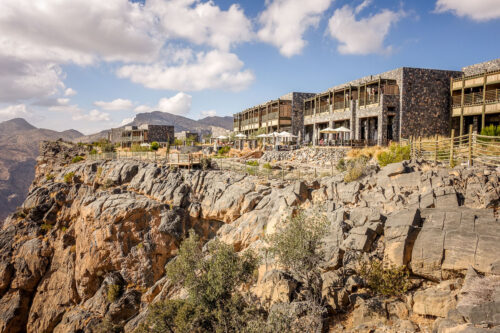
(15, 111)
(211, 70)
(209, 113)
(69, 92)
(201, 22)
(179, 104)
(142, 109)
(93, 116)
(363, 36)
(20, 80)
(126, 121)
(115, 105)
(284, 23)
(478, 10)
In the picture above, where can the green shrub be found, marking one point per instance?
(224, 150)
(68, 178)
(297, 247)
(253, 171)
(214, 303)
(253, 163)
(267, 166)
(99, 172)
(393, 281)
(155, 146)
(491, 130)
(341, 165)
(114, 291)
(46, 227)
(178, 142)
(107, 148)
(77, 159)
(93, 151)
(50, 176)
(139, 148)
(355, 168)
(395, 153)
(206, 163)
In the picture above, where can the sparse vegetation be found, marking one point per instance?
(395, 153)
(341, 165)
(68, 178)
(139, 148)
(253, 163)
(267, 166)
(114, 291)
(155, 146)
(214, 302)
(393, 281)
(491, 130)
(108, 183)
(223, 151)
(77, 159)
(93, 151)
(355, 168)
(46, 227)
(99, 172)
(206, 163)
(50, 176)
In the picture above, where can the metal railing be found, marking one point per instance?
(470, 149)
(171, 158)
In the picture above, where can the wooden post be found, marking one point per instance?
(470, 145)
(282, 174)
(436, 150)
(451, 147)
(420, 146)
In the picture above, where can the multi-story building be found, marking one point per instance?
(130, 135)
(282, 114)
(476, 97)
(187, 135)
(380, 108)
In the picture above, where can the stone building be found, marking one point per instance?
(130, 135)
(282, 114)
(187, 135)
(476, 97)
(380, 108)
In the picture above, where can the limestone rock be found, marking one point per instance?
(400, 234)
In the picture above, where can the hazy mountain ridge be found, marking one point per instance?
(180, 123)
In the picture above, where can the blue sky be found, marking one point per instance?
(198, 58)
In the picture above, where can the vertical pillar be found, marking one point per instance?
(483, 115)
(462, 107)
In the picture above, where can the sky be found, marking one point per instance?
(92, 64)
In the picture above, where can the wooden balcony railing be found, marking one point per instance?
(339, 105)
(491, 96)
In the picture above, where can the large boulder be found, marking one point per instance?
(401, 229)
(436, 301)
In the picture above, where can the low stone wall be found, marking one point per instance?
(323, 157)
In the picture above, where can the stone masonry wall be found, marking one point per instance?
(425, 95)
(487, 66)
(161, 133)
(298, 111)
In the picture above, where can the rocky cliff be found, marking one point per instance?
(18, 152)
(90, 225)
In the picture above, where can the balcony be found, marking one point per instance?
(491, 96)
(370, 99)
(340, 105)
(324, 108)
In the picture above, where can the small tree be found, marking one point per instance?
(155, 146)
(297, 246)
(214, 303)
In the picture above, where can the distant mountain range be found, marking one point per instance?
(19, 141)
(180, 123)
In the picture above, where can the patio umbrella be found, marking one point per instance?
(342, 129)
(285, 134)
(328, 130)
(241, 136)
(262, 136)
(222, 137)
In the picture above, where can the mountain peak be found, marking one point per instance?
(16, 124)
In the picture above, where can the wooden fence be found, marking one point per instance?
(470, 149)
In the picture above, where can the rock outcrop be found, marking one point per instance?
(92, 247)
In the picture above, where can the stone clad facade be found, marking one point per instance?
(130, 135)
(386, 107)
